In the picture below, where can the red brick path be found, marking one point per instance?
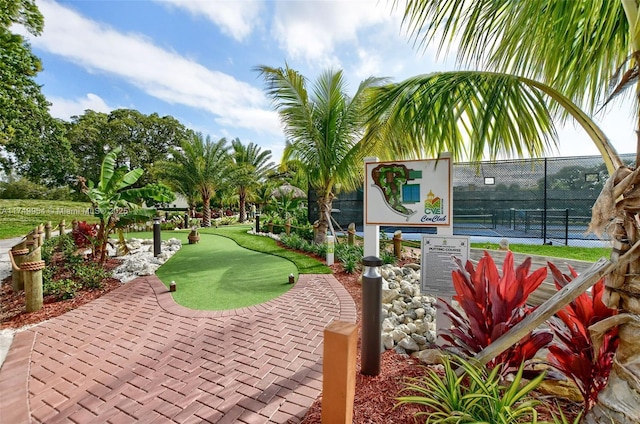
(134, 355)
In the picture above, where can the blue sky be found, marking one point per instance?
(193, 60)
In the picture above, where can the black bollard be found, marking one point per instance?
(186, 220)
(257, 223)
(157, 242)
(371, 314)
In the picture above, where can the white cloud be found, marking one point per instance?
(235, 18)
(66, 108)
(313, 30)
(163, 74)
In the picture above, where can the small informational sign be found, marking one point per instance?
(438, 254)
(409, 193)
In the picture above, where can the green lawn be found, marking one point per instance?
(229, 268)
(18, 217)
(591, 254)
(218, 274)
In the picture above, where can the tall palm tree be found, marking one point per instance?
(250, 166)
(324, 131)
(536, 61)
(199, 164)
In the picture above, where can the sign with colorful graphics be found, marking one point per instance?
(408, 193)
(438, 260)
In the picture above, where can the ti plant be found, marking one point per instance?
(492, 305)
(475, 395)
(574, 352)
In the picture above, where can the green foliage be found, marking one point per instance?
(90, 274)
(61, 289)
(159, 189)
(145, 140)
(323, 126)
(197, 167)
(350, 256)
(478, 395)
(388, 257)
(22, 188)
(47, 249)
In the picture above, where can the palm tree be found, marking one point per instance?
(250, 167)
(200, 164)
(536, 61)
(323, 130)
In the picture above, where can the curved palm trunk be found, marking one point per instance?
(324, 203)
(619, 401)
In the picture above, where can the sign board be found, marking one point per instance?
(409, 193)
(437, 263)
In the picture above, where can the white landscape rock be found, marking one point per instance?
(408, 324)
(140, 261)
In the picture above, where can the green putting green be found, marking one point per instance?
(217, 274)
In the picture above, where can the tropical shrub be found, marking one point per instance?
(90, 274)
(85, 234)
(61, 289)
(492, 305)
(573, 351)
(477, 395)
(388, 257)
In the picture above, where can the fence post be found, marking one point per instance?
(338, 372)
(32, 267)
(17, 253)
(566, 227)
(351, 234)
(397, 244)
(47, 230)
(40, 235)
(287, 227)
(62, 226)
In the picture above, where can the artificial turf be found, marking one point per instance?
(230, 269)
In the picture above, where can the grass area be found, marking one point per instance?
(590, 254)
(213, 274)
(18, 217)
(238, 233)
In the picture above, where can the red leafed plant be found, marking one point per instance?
(84, 234)
(492, 305)
(573, 351)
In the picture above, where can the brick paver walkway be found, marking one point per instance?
(135, 356)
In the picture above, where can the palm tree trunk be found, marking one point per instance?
(243, 203)
(206, 212)
(324, 203)
(619, 401)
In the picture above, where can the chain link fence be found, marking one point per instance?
(548, 200)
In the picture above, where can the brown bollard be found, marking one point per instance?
(32, 267)
(17, 253)
(397, 244)
(339, 372)
(47, 230)
(62, 226)
(287, 227)
(351, 234)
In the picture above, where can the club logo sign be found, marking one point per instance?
(408, 192)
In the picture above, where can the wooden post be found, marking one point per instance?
(287, 227)
(32, 240)
(62, 226)
(32, 267)
(47, 230)
(17, 253)
(270, 226)
(40, 234)
(351, 234)
(339, 372)
(315, 230)
(74, 224)
(397, 244)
